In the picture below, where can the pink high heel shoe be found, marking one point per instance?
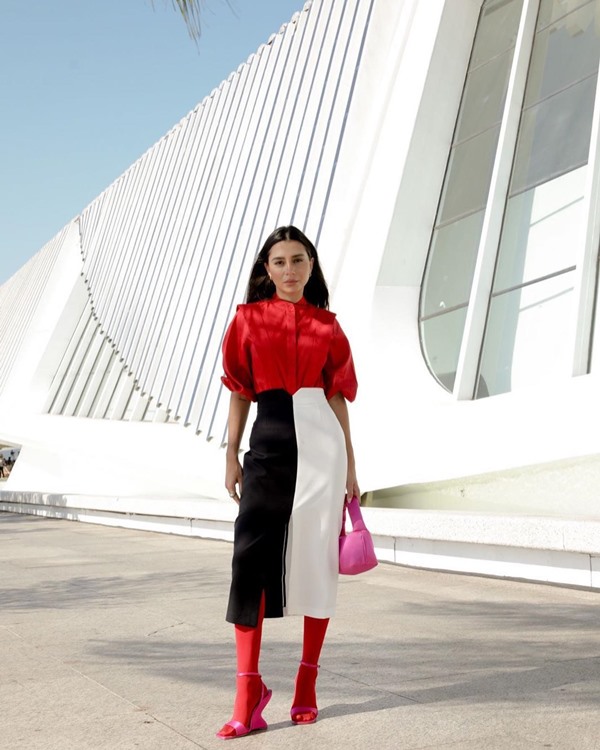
(304, 714)
(256, 720)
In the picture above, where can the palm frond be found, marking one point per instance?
(191, 12)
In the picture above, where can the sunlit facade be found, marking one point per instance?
(444, 158)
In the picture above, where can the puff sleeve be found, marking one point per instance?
(237, 363)
(338, 374)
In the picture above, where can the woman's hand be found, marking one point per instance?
(233, 477)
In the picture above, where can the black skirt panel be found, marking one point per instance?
(261, 528)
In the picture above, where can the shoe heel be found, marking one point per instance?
(256, 720)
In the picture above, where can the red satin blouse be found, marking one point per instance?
(278, 344)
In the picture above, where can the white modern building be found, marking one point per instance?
(444, 157)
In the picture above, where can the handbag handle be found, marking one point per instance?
(353, 507)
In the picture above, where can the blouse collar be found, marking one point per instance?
(276, 298)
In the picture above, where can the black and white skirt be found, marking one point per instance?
(287, 529)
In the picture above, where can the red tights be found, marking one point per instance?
(248, 641)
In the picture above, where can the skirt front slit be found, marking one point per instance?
(287, 529)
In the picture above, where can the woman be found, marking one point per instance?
(285, 350)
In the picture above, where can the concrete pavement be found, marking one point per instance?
(113, 639)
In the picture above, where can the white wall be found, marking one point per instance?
(386, 174)
(408, 429)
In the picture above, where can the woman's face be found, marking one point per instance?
(289, 268)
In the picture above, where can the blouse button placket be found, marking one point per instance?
(292, 365)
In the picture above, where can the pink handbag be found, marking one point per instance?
(357, 553)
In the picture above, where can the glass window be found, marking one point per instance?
(450, 273)
(554, 136)
(552, 10)
(469, 175)
(542, 231)
(453, 252)
(564, 53)
(497, 29)
(441, 337)
(485, 92)
(528, 337)
(529, 332)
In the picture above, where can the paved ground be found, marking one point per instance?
(115, 639)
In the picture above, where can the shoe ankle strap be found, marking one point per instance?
(248, 674)
(306, 664)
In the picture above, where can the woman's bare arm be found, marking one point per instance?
(236, 423)
(340, 409)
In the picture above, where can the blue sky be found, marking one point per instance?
(87, 87)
